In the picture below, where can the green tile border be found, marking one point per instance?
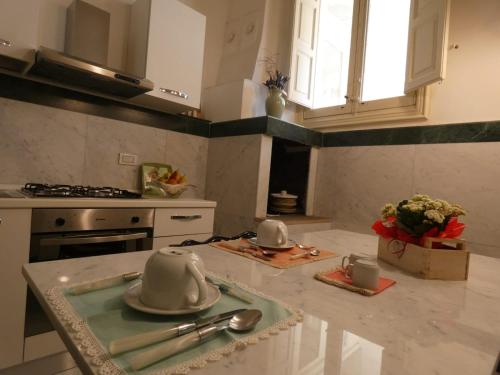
(269, 126)
(415, 135)
(53, 96)
(44, 94)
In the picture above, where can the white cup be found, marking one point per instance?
(272, 233)
(351, 259)
(173, 279)
(365, 274)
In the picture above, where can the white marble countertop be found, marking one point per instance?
(103, 203)
(415, 327)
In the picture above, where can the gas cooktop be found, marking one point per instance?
(76, 191)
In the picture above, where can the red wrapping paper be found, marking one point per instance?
(389, 229)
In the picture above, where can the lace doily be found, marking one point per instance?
(101, 361)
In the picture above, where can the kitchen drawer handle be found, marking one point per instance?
(185, 217)
(180, 94)
(6, 43)
(79, 240)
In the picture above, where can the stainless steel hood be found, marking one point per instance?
(69, 70)
(84, 62)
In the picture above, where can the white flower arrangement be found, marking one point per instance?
(421, 213)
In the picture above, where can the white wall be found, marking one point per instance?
(241, 61)
(471, 90)
(233, 181)
(216, 12)
(244, 22)
(353, 183)
(276, 38)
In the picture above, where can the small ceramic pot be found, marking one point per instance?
(275, 103)
(283, 202)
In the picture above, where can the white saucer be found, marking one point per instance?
(287, 246)
(131, 298)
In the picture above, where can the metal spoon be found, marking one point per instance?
(313, 252)
(300, 246)
(241, 322)
(269, 253)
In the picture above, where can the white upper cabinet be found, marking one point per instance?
(303, 58)
(167, 40)
(19, 22)
(427, 43)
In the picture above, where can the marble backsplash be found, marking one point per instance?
(49, 145)
(353, 183)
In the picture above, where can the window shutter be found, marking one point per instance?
(427, 43)
(303, 64)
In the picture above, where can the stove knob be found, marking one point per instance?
(135, 219)
(60, 222)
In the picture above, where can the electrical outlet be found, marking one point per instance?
(127, 159)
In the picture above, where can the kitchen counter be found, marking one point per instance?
(415, 327)
(103, 203)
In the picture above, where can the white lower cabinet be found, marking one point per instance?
(15, 227)
(60, 363)
(43, 345)
(174, 225)
(46, 353)
(160, 242)
(183, 221)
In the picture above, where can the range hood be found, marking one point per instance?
(72, 71)
(84, 62)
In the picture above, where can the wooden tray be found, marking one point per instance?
(449, 263)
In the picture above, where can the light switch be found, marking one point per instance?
(127, 159)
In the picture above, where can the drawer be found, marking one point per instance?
(160, 242)
(181, 221)
(42, 345)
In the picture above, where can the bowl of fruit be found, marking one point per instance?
(161, 180)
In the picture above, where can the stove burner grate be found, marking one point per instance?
(76, 191)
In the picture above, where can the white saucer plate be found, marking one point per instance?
(287, 246)
(132, 298)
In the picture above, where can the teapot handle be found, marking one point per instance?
(200, 281)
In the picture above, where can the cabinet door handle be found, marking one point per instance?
(1, 221)
(179, 93)
(185, 217)
(5, 42)
(77, 240)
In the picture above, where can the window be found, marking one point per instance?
(357, 61)
(385, 51)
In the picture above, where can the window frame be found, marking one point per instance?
(411, 106)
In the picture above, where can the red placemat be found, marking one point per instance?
(337, 277)
(280, 260)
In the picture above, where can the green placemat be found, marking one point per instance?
(96, 318)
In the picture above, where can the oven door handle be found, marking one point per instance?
(78, 240)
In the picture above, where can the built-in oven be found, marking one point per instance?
(74, 233)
